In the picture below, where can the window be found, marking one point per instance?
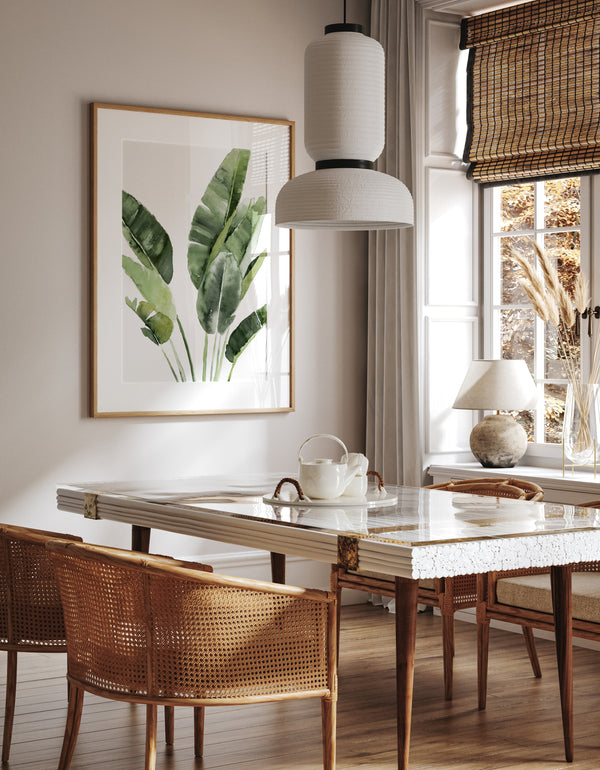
(554, 213)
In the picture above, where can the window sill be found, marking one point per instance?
(573, 487)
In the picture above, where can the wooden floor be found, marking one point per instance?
(520, 730)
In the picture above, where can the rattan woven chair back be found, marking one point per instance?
(31, 617)
(501, 487)
(150, 630)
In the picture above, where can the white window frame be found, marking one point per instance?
(589, 254)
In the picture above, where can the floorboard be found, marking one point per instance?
(520, 729)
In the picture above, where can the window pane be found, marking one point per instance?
(517, 329)
(554, 408)
(565, 253)
(561, 202)
(516, 207)
(512, 293)
(526, 420)
(549, 212)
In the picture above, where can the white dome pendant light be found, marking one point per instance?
(344, 133)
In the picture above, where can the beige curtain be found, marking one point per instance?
(393, 398)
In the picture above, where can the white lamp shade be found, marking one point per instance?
(501, 384)
(344, 133)
(344, 199)
(344, 97)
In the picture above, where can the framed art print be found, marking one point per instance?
(192, 281)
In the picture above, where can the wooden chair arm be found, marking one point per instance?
(188, 571)
(38, 536)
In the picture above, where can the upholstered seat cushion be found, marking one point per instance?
(533, 592)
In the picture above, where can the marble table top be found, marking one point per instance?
(423, 533)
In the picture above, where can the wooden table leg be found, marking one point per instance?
(278, 567)
(561, 601)
(406, 633)
(140, 538)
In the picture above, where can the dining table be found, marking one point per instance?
(406, 532)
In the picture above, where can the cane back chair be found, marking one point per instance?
(524, 597)
(140, 629)
(31, 618)
(452, 593)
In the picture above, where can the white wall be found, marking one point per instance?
(446, 239)
(230, 57)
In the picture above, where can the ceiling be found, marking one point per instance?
(467, 7)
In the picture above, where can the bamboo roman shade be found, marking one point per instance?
(533, 91)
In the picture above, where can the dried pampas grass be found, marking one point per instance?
(582, 297)
(544, 302)
(552, 303)
(550, 295)
(540, 305)
(555, 288)
(550, 274)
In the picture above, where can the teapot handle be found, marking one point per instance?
(323, 435)
(379, 478)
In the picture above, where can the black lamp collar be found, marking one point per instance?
(343, 27)
(344, 163)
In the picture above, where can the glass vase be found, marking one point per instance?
(581, 423)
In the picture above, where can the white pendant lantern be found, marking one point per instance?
(344, 133)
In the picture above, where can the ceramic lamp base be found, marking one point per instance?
(498, 441)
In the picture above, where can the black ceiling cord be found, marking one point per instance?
(343, 26)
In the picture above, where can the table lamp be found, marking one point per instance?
(498, 441)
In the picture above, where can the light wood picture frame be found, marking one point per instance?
(192, 282)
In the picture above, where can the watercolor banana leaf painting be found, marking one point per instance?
(192, 290)
(221, 265)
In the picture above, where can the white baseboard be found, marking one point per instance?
(255, 564)
(249, 559)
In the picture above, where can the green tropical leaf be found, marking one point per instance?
(151, 286)
(219, 294)
(243, 237)
(148, 239)
(197, 258)
(244, 333)
(157, 327)
(161, 328)
(224, 191)
(253, 269)
(216, 214)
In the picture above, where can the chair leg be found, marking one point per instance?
(198, 731)
(9, 711)
(328, 720)
(335, 588)
(72, 727)
(483, 643)
(151, 722)
(448, 644)
(532, 651)
(278, 568)
(169, 725)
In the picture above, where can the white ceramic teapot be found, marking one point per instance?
(326, 479)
